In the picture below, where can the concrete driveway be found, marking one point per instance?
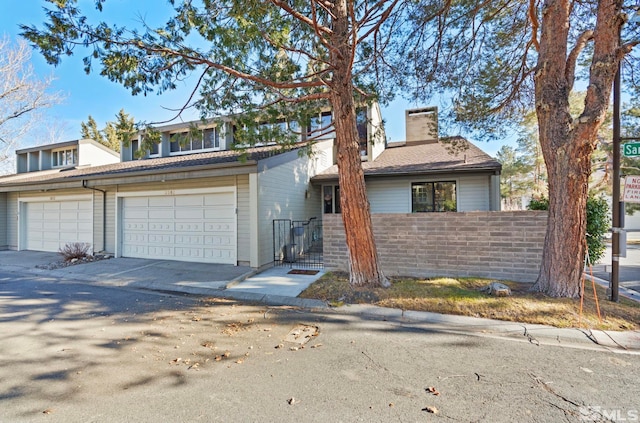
(274, 285)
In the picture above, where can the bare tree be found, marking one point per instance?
(22, 96)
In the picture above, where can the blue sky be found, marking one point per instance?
(97, 96)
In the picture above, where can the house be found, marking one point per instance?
(202, 201)
(425, 173)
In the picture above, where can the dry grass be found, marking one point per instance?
(463, 297)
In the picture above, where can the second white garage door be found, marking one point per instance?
(194, 227)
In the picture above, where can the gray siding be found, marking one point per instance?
(474, 193)
(284, 192)
(394, 195)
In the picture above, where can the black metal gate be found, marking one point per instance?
(297, 243)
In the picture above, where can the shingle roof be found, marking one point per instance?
(452, 154)
(163, 164)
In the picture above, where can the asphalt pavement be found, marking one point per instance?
(279, 286)
(73, 351)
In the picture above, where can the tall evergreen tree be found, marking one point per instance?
(265, 58)
(501, 58)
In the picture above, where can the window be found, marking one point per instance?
(331, 199)
(68, 157)
(155, 149)
(321, 126)
(433, 197)
(181, 142)
(361, 121)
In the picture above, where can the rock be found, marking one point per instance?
(73, 260)
(497, 289)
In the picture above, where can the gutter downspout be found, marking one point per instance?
(104, 213)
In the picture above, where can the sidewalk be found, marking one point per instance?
(278, 286)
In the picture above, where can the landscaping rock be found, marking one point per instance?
(497, 289)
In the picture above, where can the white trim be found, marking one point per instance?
(202, 150)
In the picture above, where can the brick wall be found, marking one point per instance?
(500, 245)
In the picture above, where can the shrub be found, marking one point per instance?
(74, 250)
(598, 221)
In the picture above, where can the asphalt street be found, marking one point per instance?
(74, 352)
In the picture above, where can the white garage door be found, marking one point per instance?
(194, 227)
(49, 225)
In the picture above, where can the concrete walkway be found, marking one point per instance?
(278, 286)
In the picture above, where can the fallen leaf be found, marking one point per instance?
(279, 346)
(48, 411)
(176, 360)
(293, 349)
(433, 390)
(316, 346)
(193, 366)
(291, 401)
(586, 370)
(239, 361)
(431, 410)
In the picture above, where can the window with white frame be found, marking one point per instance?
(321, 126)
(208, 139)
(66, 157)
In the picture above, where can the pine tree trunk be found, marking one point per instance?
(356, 217)
(567, 143)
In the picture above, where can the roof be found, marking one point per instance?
(451, 154)
(147, 166)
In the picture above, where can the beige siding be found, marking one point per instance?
(3, 221)
(186, 184)
(98, 213)
(244, 244)
(394, 195)
(12, 220)
(110, 246)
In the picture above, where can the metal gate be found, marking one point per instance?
(297, 243)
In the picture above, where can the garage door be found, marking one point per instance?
(194, 227)
(49, 225)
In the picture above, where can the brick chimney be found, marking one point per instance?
(421, 125)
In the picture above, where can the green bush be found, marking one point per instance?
(598, 222)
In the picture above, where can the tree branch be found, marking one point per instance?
(570, 68)
(313, 23)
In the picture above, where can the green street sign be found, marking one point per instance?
(631, 149)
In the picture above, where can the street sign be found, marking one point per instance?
(631, 149)
(631, 189)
